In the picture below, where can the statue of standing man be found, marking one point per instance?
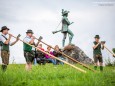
(65, 28)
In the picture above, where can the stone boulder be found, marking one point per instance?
(76, 53)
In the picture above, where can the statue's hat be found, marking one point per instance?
(64, 12)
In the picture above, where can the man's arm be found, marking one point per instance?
(28, 40)
(32, 40)
(37, 43)
(39, 40)
(102, 47)
(95, 46)
(8, 40)
(14, 42)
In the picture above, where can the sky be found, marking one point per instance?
(90, 17)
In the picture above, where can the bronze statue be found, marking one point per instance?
(65, 29)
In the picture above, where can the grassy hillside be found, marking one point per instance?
(50, 75)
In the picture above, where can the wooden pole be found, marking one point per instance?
(109, 50)
(69, 57)
(77, 68)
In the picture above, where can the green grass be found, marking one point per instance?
(50, 75)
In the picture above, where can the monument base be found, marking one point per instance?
(76, 53)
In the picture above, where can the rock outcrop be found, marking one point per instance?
(76, 53)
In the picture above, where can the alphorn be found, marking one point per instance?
(109, 50)
(68, 56)
(77, 68)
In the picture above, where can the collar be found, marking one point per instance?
(3, 34)
(28, 37)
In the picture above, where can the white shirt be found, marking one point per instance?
(27, 39)
(3, 39)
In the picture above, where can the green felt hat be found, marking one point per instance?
(97, 36)
(29, 31)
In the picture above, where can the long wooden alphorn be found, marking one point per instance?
(68, 56)
(77, 68)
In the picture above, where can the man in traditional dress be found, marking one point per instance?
(97, 54)
(5, 43)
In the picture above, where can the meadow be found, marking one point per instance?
(60, 75)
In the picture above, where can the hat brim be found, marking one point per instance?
(30, 32)
(4, 29)
(97, 37)
(65, 13)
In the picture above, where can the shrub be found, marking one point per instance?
(113, 50)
